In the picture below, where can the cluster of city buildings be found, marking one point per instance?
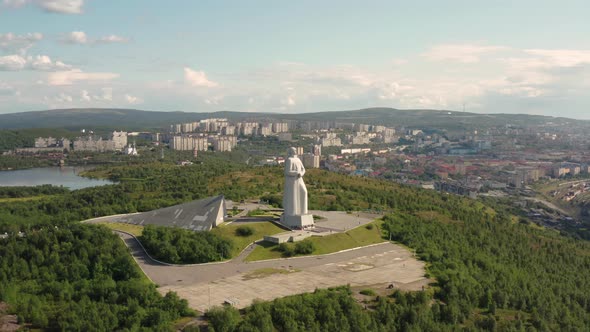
(472, 161)
(327, 133)
(116, 142)
(222, 126)
(219, 133)
(465, 175)
(202, 142)
(52, 143)
(506, 158)
(362, 134)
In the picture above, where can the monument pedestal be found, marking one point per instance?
(298, 222)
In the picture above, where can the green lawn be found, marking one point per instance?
(358, 237)
(119, 226)
(241, 242)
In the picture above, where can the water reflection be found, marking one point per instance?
(66, 176)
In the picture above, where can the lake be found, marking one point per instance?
(66, 176)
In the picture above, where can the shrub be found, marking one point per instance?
(304, 247)
(256, 212)
(244, 231)
(286, 249)
(368, 292)
(369, 226)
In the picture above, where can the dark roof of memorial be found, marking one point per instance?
(199, 215)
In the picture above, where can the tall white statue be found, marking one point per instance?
(295, 196)
(295, 213)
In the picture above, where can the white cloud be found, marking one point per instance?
(44, 63)
(6, 90)
(63, 98)
(12, 63)
(15, 3)
(509, 74)
(198, 78)
(81, 38)
(111, 39)
(103, 95)
(465, 53)
(85, 96)
(289, 101)
(510, 80)
(39, 63)
(107, 94)
(562, 58)
(524, 91)
(391, 90)
(215, 100)
(133, 100)
(61, 6)
(337, 75)
(51, 6)
(71, 76)
(76, 37)
(10, 42)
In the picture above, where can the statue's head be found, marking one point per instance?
(292, 152)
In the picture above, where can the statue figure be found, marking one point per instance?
(295, 196)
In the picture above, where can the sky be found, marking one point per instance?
(530, 57)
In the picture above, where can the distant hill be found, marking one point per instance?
(423, 118)
(132, 119)
(96, 117)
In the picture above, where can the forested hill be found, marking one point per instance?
(493, 271)
(425, 118)
(96, 117)
(132, 119)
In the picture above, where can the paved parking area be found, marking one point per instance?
(340, 221)
(206, 285)
(381, 264)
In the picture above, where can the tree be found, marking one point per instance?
(223, 319)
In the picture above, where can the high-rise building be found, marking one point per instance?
(120, 139)
(316, 149)
(280, 127)
(265, 130)
(228, 130)
(44, 142)
(362, 127)
(330, 139)
(224, 143)
(310, 161)
(188, 143)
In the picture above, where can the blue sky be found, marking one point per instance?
(296, 56)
